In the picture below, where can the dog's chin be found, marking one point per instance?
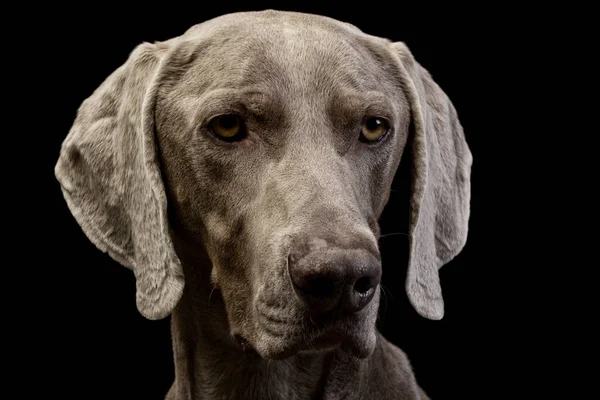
(360, 343)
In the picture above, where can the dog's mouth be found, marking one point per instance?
(280, 338)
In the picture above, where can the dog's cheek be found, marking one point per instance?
(234, 279)
(234, 296)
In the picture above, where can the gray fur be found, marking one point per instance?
(151, 186)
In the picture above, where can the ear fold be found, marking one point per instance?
(441, 186)
(109, 175)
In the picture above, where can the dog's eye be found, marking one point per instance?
(374, 129)
(229, 127)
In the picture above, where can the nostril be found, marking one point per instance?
(363, 285)
(361, 293)
(319, 287)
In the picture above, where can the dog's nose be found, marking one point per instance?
(326, 278)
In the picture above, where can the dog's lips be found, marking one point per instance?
(347, 337)
(279, 339)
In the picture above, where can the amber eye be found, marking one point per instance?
(374, 129)
(228, 127)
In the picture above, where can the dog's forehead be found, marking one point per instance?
(293, 51)
(270, 22)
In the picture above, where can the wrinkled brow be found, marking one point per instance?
(347, 108)
(258, 105)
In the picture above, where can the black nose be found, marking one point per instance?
(329, 277)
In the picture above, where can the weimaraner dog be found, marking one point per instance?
(240, 170)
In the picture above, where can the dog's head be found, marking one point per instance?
(270, 141)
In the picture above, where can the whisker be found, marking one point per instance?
(387, 292)
(210, 294)
(383, 310)
(393, 234)
(383, 295)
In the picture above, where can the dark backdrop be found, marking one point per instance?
(92, 341)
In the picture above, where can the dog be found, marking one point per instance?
(240, 171)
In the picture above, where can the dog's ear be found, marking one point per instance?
(440, 187)
(109, 175)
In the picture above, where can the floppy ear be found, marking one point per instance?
(440, 187)
(109, 175)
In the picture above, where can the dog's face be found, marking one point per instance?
(269, 141)
(278, 147)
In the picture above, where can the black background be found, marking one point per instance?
(87, 337)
